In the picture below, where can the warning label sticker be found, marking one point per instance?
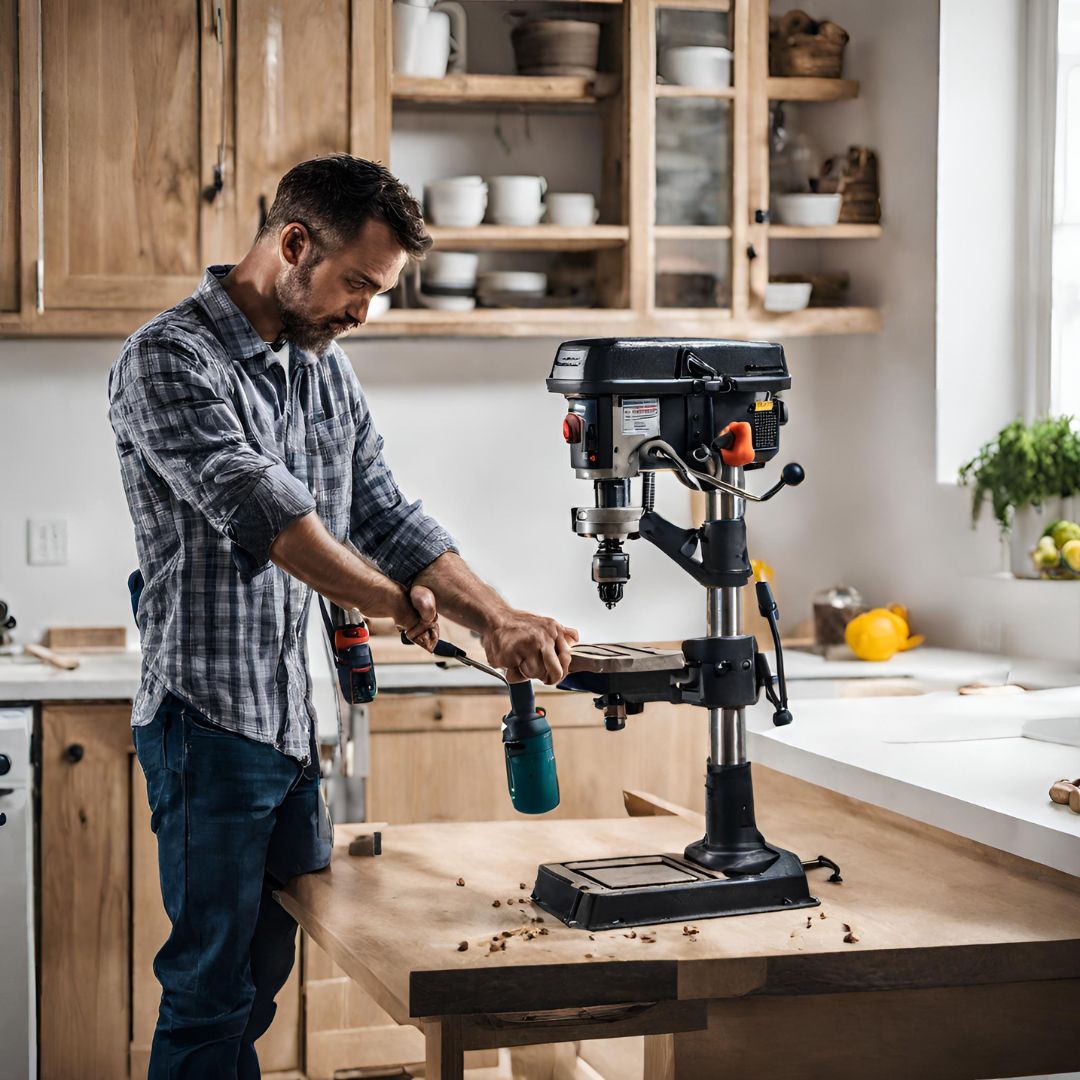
(641, 416)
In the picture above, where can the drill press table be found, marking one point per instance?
(964, 961)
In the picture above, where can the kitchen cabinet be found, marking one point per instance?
(101, 916)
(164, 128)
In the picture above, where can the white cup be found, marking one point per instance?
(516, 200)
(703, 66)
(455, 268)
(428, 42)
(452, 203)
(574, 208)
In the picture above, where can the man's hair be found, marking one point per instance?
(336, 195)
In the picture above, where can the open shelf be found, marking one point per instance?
(692, 232)
(599, 322)
(529, 237)
(824, 232)
(504, 89)
(802, 89)
(668, 90)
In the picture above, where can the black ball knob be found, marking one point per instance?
(5, 764)
(3, 819)
(74, 753)
(782, 717)
(793, 473)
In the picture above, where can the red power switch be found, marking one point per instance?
(572, 428)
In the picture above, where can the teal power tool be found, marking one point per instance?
(530, 756)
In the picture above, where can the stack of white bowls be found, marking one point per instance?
(448, 280)
(456, 200)
(509, 288)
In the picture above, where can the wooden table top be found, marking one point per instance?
(926, 908)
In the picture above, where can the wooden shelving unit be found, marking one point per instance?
(795, 89)
(824, 232)
(545, 90)
(529, 238)
(692, 232)
(664, 90)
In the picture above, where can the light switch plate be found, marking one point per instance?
(47, 541)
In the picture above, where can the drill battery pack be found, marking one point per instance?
(351, 646)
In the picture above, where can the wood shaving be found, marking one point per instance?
(850, 938)
(522, 886)
(496, 903)
(538, 918)
(523, 899)
(649, 939)
(592, 937)
(822, 915)
(588, 956)
(508, 933)
(632, 934)
(847, 929)
(690, 931)
(510, 900)
(809, 922)
(461, 881)
(462, 946)
(543, 930)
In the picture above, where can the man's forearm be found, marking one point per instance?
(308, 552)
(462, 596)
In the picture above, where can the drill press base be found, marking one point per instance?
(605, 894)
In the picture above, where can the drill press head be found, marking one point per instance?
(636, 406)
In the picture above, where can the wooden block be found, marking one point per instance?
(367, 839)
(86, 638)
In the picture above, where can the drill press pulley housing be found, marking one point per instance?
(706, 411)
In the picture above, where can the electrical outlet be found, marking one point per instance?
(47, 541)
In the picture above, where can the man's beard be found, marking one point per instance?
(292, 291)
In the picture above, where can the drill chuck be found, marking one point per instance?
(530, 756)
(610, 571)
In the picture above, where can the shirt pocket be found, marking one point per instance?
(330, 446)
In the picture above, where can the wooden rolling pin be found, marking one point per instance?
(65, 663)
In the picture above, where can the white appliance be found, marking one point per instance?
(18, 1011)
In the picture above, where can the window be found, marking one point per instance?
(1065, 282)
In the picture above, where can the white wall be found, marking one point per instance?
(470, 427)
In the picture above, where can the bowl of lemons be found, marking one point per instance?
(1057, 554)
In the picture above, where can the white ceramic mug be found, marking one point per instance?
(516, 200)
(429, 41)
(451, 203)
(456, 268)
(573, 208)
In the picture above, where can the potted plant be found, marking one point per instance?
(1029, 473)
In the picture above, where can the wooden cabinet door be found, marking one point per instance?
(11, 253)
(85, 877)
(121, 151)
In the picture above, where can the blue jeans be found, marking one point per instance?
(234, 819)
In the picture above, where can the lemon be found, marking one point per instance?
(1046, 558)
(880, 634)
(1070, 553)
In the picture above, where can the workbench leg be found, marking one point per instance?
(444, 1049)
(659, 1057)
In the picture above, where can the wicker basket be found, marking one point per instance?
(800, 46)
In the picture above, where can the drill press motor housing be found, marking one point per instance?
(706, 411)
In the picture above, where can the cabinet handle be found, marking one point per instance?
(5, 764)
(74, 753)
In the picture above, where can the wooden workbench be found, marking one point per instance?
(965, 961)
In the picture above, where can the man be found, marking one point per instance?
(253, 472)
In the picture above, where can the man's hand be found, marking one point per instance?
(419, 617)
(528, 646)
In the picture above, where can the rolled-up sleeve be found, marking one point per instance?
(163, 402)
(394, 533)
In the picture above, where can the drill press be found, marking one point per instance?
(706, 411)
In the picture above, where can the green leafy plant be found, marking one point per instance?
(1024, 465)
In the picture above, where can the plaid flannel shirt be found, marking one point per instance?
(218, 453)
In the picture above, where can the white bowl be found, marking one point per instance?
(781, 296)
(378, 305)
(447, 303)
(703, 66)
(456, 204)
(807, 209)
(529, 282)
(450, 267)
